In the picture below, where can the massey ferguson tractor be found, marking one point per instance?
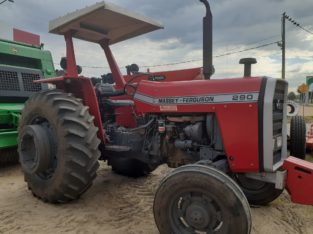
(227, 137)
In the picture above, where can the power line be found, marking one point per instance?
(308, 31)
(283, 40)
(216, 56)
(294, 22)
(175, 63)
(244, 50)
(6, 1)
(255, 42)
(193, 60)
(85, 66)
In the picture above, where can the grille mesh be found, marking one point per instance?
(9, 81)
(28, 84)
(278, 115)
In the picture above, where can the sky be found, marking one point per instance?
(237, 25)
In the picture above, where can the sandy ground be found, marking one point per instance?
(307, 110)
(116, 204)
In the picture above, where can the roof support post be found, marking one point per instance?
(116, 72)
(71, 68)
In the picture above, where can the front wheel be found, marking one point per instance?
(257, 192)
(58, 146)
(200, 199)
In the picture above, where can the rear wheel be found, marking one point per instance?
(58, 146)
(200, 199)
(130, 166)
(258, 192)
(297, 137)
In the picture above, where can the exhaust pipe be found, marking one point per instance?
(247, 62)
(207, 42)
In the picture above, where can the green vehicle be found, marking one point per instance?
(20, 65)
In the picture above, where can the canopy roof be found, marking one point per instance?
(103, 21)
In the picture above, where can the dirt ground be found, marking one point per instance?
(307, 110)
(116, 204)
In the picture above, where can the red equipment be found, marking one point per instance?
(231, 132)
(299, 180)
(13, 34)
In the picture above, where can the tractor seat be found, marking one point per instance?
(108, 90)
(119, 103)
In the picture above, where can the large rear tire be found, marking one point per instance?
(298, 137)
(200, 199)
(130, 166)
(58, 146)
(258, 193)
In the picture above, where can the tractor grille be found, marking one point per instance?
(9, 81)
(17, 82)
(278, 116)
(28, 84)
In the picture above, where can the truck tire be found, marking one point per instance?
(258, 193)
(297, 137)
(200, 199)
(58, 146)
(8, 156)
(130, 167)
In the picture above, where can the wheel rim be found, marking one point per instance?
(38, 148)
(224, 207)
(29, 156)
(197, 212)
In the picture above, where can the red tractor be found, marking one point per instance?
(226, 137)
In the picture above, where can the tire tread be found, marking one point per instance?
(297, 137)
(80, 145)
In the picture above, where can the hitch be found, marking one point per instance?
(299, 182)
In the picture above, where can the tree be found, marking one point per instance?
(291, 96)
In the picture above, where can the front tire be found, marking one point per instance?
(197, 198)
(258, 193)
(58, 146)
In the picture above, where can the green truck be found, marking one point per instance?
(20, 65)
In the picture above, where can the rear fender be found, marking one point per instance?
(299, 182)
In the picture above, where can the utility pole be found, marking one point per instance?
(283, 45)
(283, 39)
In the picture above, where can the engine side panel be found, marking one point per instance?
(234, 101)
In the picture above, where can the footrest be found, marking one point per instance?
(299, 180)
